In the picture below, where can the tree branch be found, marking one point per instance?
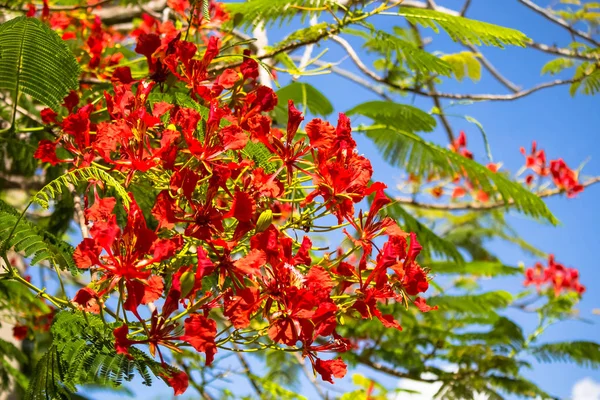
(379, 90)
(562, 52)
(492, 70)
(559, 21)
(483, 206)
(465, 8)
(391, 371)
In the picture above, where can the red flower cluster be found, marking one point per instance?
(556, 275)
(231, 194)
(564, 178)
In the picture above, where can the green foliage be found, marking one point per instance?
(557, 65)
(465, 30)
(406, 52)
(75, 177)
(83, 352)
(306, 95)
(405, 149)
(483, 303)
(477, 268)
(250, 13)
(33, 241)
(587, 79)
(465, 63)
(586, 354)
(34, 60)
(10, 354)
(46, 381)
(399, 116)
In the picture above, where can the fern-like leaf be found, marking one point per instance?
(477, 268)
(250, 13)
(407, 150)
(463, 64)
(75, 177)
(34, 60)
(483, 303)
(586, 354)
(399, 116)
(415, 58)
(465, 30)
(46, 382)
(33, 241)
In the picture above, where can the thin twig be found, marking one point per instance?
(379, 90)
(559, 21)
(562, 52)
(310, 376)
(492, 70)
(483, 206)
(249, 373)
(465, 8)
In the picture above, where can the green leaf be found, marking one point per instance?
(555, 66)
(417, 156)
(586, 354)
(465, 63)
(250, 13)
(34, 60)
(75, 177)
(483, 303)
(33, 241)
(477, 268)
(304, 94)
(46, 380)
(415, 58)
(399, 116)
(465, 30)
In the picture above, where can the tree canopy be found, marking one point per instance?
(179, 203)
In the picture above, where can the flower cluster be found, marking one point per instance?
(563, 177)
(226, 226)
(555, 275)
(458, 186)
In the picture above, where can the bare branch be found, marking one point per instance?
(465, 8)
(483, 206)
(562, 52)
(310, 376)
(391, 371)
(379, 90)
(356, 59)
(559, 21)
(492, 70)
(488, 97)
(248, 371)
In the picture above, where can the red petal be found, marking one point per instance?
(178, 380)
(423, 306)
(121, 342)
(200, 332)
(330, 368)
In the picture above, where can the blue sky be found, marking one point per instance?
(564, 126)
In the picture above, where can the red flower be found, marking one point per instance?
(200, 332)
(330, 368)
(565, 178)
(20, 332)
(46, 152)
(423, 306)
(122, 343)
(128, 254)
(460, 146)
(178, 380)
